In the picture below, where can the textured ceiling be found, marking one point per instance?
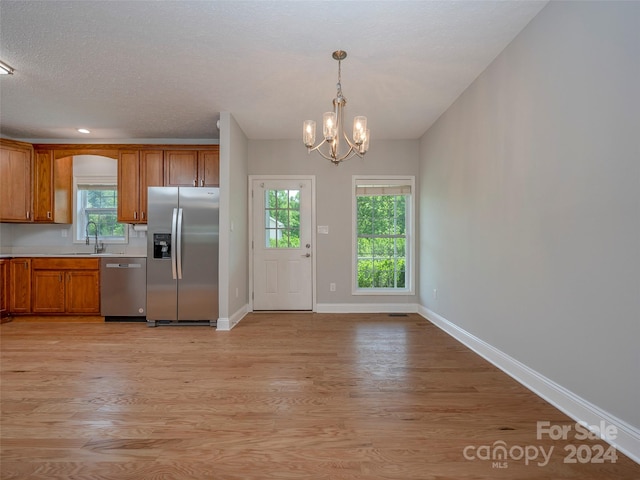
(136, 70)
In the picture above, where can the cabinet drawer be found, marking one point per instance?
(65, 264)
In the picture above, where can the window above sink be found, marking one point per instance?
(96, 202)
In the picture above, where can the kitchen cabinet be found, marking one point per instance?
(152, 175)
(66, 286)
(15, 173)
(137, 170)
(52, 182)
(48, 291)
(209, 167)
(20, 285)
(4, 288)
(192, 168)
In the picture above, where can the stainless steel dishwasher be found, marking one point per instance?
(123, 286)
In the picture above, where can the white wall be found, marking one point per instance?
(530, 196)
(234, 271)
(333, 203)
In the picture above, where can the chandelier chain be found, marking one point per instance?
(339, 86)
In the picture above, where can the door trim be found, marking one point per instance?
(312, 179)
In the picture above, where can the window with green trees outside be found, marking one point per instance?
(98, 203)
(382, 234)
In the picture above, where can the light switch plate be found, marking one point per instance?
(323, 229)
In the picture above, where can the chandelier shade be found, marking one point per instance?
(336, 145)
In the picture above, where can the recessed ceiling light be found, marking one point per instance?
(84, 130)
(5, 69)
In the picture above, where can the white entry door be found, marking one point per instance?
(282, 260)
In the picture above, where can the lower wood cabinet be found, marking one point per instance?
(20, 285)
(4, 287)
(66, 286)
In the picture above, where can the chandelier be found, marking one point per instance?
(333, 128)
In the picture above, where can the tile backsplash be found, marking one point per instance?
(37, 238)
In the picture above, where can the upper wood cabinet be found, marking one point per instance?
(129, 186)
(152, 175)
(192, 168)
(15, 174)
(137, 170)
(38, 186)
(52, 182)
(181, 168)
(209, 167)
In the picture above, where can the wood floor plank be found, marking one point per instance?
(281, 396)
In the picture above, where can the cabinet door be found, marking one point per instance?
(20, 286)
(83, 291)
(48, 291)
(128, 186)
(209, 168)
(181, 168)
(63, 190)
(4, 288)
(151, 175)
(52, 187)
(15, 195)
(43, 186)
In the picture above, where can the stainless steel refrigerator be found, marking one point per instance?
(182, 255)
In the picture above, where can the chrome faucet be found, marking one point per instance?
(99, 247)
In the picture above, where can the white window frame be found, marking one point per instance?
(392, 180)
(79, 222)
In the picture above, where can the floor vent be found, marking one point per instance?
(397, 314)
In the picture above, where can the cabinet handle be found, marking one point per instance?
(135, 215)
(49, 215)
(26, 265)
(195, 183)
(60, 277)
(142, 215)
(28, 215)
(202, 182)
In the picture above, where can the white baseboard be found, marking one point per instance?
(226, 324)
(366, 308)
(627, 439)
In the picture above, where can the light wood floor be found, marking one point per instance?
(282, 396)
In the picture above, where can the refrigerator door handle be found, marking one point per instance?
(174, 224)
(179, 246)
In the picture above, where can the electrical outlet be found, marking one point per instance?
(435, 293)
(237, 292)
(332, 287)
(64, 233)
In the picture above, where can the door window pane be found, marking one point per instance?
(282, 219)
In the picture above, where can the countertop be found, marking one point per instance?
(72, 255)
